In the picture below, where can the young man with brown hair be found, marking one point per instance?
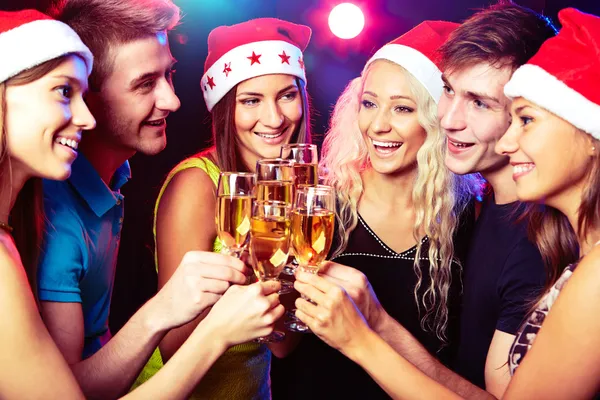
(131, 94)
(503, 272)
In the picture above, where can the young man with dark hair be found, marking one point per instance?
(504, 271)
(131, 94)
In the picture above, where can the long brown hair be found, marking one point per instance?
(555, 237)
(224, 135)
(27, 214)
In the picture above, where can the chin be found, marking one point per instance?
(152, 147)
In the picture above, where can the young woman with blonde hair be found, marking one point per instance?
(399, 208)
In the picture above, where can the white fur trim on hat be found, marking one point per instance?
(235, 66)
(36, 42)
(545, 90)
(415, 62)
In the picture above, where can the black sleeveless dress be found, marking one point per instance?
(316, 371)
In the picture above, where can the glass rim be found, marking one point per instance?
(316, 188)
(232, 173)
(299, 145)
(278, 161)
(272, 203)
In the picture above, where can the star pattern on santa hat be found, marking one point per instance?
(284, 58)
(254, 58)
(227, 69)
(210, 82)
(301, 62)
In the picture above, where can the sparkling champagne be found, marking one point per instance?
(233, 220)
(269, 246)
(275, 191)
(306, 174)
(312, 235)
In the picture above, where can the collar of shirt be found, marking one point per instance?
(85, 179)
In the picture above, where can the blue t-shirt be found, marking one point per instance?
(79, 255)
(503, 275)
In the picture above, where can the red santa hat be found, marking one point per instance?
(29, 38)
(416, 51)
(253, 48)
(564, 75)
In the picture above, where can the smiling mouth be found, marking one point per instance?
(460, 145)
(70, 143)
(274, 135)
(385, 147)
(157, 122)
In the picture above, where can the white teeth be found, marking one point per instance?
(269, 136)
(522, 168)
(385, 144)
(72, 143)
(460, 145)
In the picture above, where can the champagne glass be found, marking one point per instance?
(270, 246)
(306, 160)
(275, 180)
(313, 224)
(235, 193)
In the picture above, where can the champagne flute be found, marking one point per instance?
(270, 246)
(235, 193)
(313, 224)
(306, 160)
(276, 183)
(275, 180)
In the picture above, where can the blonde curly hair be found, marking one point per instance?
(438, 195)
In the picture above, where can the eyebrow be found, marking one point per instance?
(394, 97)
(151, 75)
(256, 94)
(72, 80)
(521, 108)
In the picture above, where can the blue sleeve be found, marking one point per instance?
(519, 285)
(61, 263)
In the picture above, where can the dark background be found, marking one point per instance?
(330, 63)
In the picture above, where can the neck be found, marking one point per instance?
(104, 156)
(11, 183)
(569, 203)
(501, 181)
(389, 190)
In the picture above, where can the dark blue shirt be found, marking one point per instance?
(503, 274)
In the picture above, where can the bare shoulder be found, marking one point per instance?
(191, 182)
(587, 273)
(10, 261)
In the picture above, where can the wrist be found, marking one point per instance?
(379, 320)
(207, 332)
(360, 344)
(153, 318)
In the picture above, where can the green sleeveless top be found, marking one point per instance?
(242, 372)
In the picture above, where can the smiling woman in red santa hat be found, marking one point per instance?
(398, 207)
(553, 144)
(254, 85)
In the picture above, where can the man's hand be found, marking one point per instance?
(198, 283)
(356, 284)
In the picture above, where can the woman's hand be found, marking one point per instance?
(245, 313)
(334, 317)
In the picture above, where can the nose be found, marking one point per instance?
(272, 117)
(451, 114)
(508, 143)
(81, 116)
(381, 122)
(166, 99)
